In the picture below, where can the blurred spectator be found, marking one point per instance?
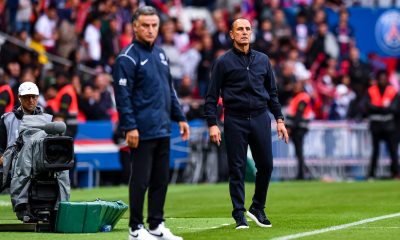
(181, 38)
(90, 105)
(266, 8)
(12, 8)
(280, 28)
(317, 19)
(376, 63)
(36, 44)
(265, 40)
(204, 67)
(9, 53)
(27, 76)
(344, 34)
(82, 11)
(171, 50)
(185, 89)
(110, 46)
(77, 61)
(126, 36)
(198, 29)
(26, 59)
(301, 32)
(325, 86)
(13, 73)
(191, 58)
(359, 72)
(221, 38)
(322, 43)
(68, 38)
(92, 38)
(105, 92)
(313, 9)
(285, 82)
(124, 14)
(343, 97)
(46, 26)
(50, 97)
(6, 95)
(300, 70)
(3, 19)
(23, 16)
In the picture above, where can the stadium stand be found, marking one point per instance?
(323, 43)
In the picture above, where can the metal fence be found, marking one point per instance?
(332, 150)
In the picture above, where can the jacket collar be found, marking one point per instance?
(143, 45)
(238, 52)
(19, 113)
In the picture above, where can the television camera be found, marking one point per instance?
(35, 169)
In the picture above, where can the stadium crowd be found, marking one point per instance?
(294, 33)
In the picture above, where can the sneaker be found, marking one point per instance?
(258, 216)
(241, 222)
(140, 234)
(163, 233)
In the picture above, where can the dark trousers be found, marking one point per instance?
(149, 170)
(297, 136)
(390, 138)
(241, 131)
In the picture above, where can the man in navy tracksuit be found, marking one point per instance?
(146, 103)
(244, 79)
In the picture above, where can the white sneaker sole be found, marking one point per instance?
(250, 215)
(242, 227)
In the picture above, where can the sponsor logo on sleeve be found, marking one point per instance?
(122, 82)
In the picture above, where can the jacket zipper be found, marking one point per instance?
(247, 64)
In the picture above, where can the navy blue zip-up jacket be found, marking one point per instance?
(246, 84)
(145, 97)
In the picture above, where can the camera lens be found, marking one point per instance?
(58, 151)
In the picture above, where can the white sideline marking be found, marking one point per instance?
(334, 228)
(378, 227)
(206, 228)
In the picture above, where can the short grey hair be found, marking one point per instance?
(145, 10)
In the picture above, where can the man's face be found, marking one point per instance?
(383, 80)
(52, 14)
(146, 28)
(29, 102)
(241, 32)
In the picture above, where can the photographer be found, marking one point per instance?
(28, 94)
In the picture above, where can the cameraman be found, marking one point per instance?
(28, 94)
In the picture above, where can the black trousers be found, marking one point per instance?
(241, 132)
(297, 136)
(390, 138)
(149, 170)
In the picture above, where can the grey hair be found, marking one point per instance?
(145, 10)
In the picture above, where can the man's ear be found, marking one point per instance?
(134, 26)
(231, 34)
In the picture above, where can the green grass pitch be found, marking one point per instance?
(204, 211)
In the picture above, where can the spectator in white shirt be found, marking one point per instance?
(92, 37)
(46, 27)
(24, 13)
